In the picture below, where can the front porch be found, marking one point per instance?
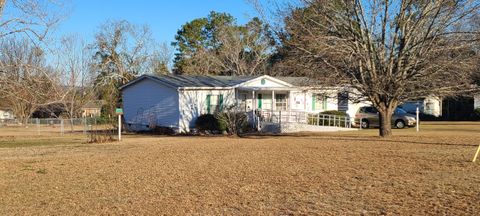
(255, 99)
(289, 109)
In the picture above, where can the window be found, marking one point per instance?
(368, 110)
(400, 111)
(214, 103)
(319, 102)
(281, 102)
(243, 102)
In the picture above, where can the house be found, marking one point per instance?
(427, 105)
(92, 108)
(6, 113)
(176, 100)
(459, 108)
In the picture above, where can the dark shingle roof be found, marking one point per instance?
(201, 81)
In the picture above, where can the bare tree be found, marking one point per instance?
(122, 52)
(387, 51)
(26, 81)
(244, 50)
(33, 18)
(74, 62)
(161, 59)
(202, 62)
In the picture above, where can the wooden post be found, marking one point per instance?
(476, 154)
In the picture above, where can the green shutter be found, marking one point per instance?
(220, 102)
(260, 101)
(208, 104)
(314, 98)
(324, 102)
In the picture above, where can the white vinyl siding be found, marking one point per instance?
(148, 103)
(193, 103)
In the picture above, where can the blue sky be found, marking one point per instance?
(163, 16)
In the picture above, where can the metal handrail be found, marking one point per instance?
(319, 119)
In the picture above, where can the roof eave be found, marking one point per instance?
(142, 77)
(205, 88)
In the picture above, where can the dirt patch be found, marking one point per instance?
(315, 174)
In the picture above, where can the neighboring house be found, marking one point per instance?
(6, 113)
(92, 109)
(177, 101)
(458, 108)
(428, 105)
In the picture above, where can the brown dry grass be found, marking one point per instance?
(344, 173)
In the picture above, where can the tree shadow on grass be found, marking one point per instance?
(364, 138)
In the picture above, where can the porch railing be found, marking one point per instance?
(304, 118)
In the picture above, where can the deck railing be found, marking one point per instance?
(304, 118)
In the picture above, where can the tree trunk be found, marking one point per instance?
(385, 120)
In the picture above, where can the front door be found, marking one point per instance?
(259, 101)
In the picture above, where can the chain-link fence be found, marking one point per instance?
(59, 126)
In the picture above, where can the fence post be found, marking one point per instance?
(318, 119)
(61, 127)
(84, 125)
(38, 126)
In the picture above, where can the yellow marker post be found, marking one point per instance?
(476, 154)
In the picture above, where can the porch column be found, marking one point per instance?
(304, 101)
(253, 101)
(273, 101)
